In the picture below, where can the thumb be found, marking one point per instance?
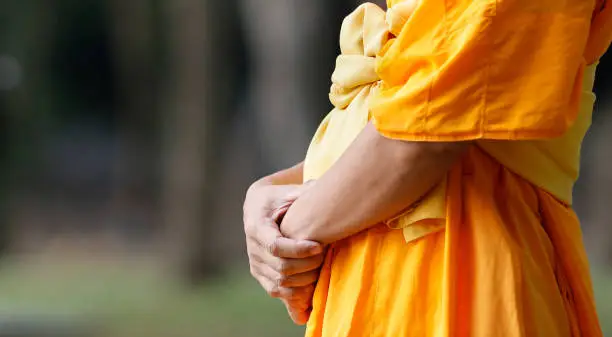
(279, 212)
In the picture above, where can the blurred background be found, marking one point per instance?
(130, 131)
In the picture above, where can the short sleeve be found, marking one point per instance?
(483, 69)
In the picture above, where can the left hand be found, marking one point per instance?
(286, 268)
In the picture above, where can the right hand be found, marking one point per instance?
(285, 268)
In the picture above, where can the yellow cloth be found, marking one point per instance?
(495, 249)
(362, 36)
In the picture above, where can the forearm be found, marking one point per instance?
(290, 176)
(373, 181)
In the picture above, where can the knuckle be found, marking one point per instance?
(284, 267)
(274, 291)
(291, 294)
(273, 247)
(248, 228)
(253, 257)
(283, 281)
(252, 254)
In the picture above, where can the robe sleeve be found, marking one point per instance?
(483, 69)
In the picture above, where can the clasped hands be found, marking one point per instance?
(287, 269)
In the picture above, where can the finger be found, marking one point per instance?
(289, 267)
(269, 285)
(287, 272)
(298, 305)
(299, 294)
(279, 213)
(265, 275)
(303, 297)
(269, 237)
(278, 285)
(265, 234)
(289, 294)
(262, 229)
(298, 316)
(294, 249)
(299, 280)
(270, 280)
(300, 309)
(280, 209)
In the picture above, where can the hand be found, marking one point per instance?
(299, 306)
(286, 268)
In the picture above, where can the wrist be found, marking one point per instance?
(298, 223)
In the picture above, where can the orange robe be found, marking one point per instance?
(495, 249)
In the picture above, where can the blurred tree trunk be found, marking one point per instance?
(285, 38)
(4, 173)
(135, 92)
(595, 195)
(187, 132)
(29, 35)
(294, 44)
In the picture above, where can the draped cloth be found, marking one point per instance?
(495, 249)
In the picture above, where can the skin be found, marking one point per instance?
(375, 179)
(287, 269)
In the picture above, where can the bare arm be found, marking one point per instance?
(374, 180)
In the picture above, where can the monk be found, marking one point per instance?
(438, 194)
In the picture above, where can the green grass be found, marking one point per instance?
(134, 301)
(602, 281)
